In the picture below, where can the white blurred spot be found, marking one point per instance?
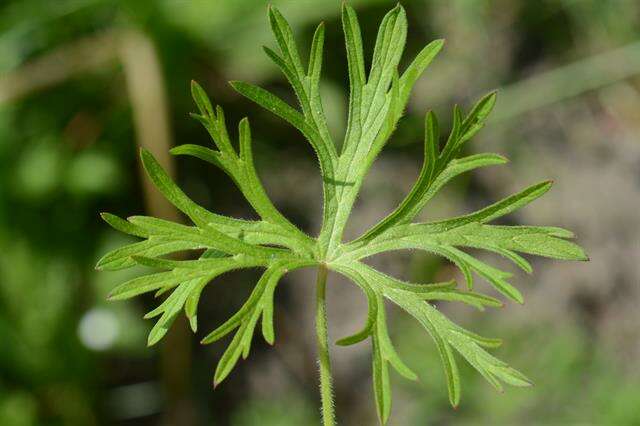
(98, 329)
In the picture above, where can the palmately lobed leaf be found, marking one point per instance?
(377, 100)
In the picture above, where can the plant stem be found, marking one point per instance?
(324, 362)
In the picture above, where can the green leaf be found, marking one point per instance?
(377, 100)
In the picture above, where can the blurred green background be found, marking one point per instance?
(84, 83)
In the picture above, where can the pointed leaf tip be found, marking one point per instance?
(99, 265)
(146, 157)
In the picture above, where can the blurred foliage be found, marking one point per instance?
(68, 152)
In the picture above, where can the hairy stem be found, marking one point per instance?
(324, 362)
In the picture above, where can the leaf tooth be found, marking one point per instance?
(315, 55)
(353, 39)
(267, 316)
(157, 333)
(229, 358)
(154, 313)
(450, 368)
(386, 346)
(142, 285)
(247, 337)
(521, 262)
(224, 329)
(162, 291)
(476, 118)
(239, 319)
(477, 300)
(201, 99)
(191, 304)
(193, 323)
(487, 342)
(122, 225)
(431, 149)
(284, 36)
(381, 384)
(244, 130)
(154, 262)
